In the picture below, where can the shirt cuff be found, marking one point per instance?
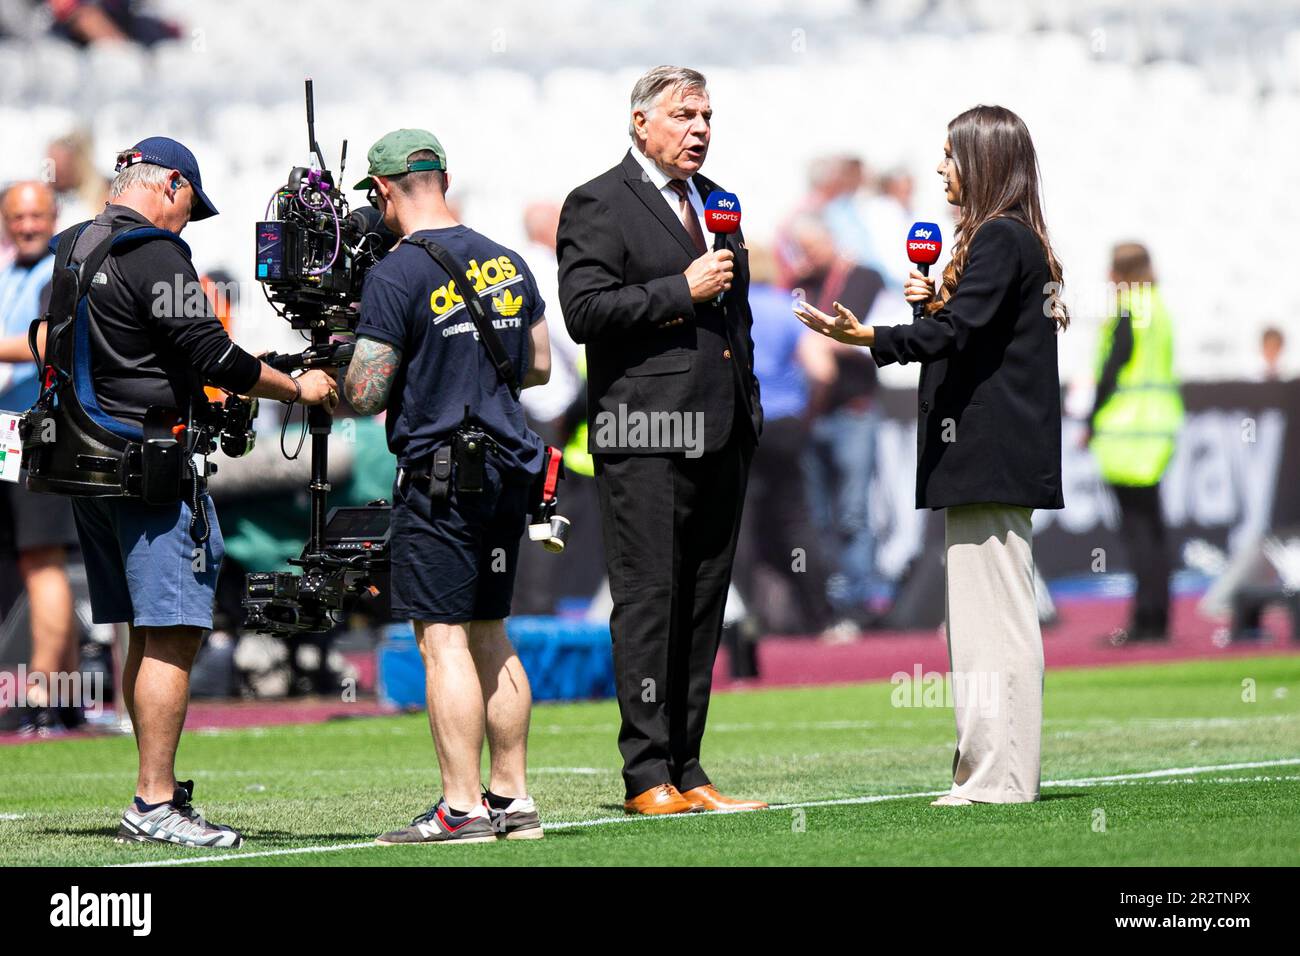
(241, 375)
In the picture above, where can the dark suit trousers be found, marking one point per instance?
(1142, 529)
(670, 525)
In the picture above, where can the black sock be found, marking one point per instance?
(147, 807)
(452, 811)
(497, 802)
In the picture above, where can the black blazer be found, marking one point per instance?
(622, 253)
(989, 423)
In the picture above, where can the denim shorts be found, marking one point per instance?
(142, 565)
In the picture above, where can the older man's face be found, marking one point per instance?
(29, 214)
(675, 131)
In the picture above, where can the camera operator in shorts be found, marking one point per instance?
(153, 342)
(451, 328)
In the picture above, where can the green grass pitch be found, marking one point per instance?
(343, 782)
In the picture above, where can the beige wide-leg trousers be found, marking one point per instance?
(995, 649)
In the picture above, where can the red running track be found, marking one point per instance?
(1078, 639)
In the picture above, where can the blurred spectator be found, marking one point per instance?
(834, 183)
(87, 22)
(1271, 344)
(887, 216)
(70, 170)
(1133, 428)
(778, 568)
(37, 528)
(546, 404)
(841, 454)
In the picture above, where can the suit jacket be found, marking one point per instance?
(622, 253)
(989, 422)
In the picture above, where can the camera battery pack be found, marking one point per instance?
(11, 447)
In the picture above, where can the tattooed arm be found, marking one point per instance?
(370, 375)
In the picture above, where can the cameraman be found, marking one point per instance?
(454, 548)
(154, 341)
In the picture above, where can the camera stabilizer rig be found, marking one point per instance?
(311, 260)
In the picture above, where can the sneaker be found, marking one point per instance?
(42, 722)
(843, 631)
(518, 821)
(437, 825)
(175, 822)
(1123, 636)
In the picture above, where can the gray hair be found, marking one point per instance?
(141, 174)
(662, 78)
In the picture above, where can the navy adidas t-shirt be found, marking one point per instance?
(409, 301)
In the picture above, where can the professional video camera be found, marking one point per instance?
(311, 260)
(313, 255)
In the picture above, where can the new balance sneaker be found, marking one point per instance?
(175, 822)
(517, 821)
(439, 825)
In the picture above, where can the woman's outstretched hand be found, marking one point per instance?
(918, 288)
(842, 327)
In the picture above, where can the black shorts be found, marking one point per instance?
(29, 520)
(455, 560)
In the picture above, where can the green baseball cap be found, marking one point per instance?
(390, 155)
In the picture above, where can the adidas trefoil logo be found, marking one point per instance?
(508, 304)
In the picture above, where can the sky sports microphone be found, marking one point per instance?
(924, 243)
(721, 217)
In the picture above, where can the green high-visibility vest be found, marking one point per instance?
(576, 457)
(1135, 431)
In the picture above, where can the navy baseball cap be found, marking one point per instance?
(162, 151)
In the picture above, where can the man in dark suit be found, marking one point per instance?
(674, 417)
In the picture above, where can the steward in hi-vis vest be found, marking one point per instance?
(1136, 421)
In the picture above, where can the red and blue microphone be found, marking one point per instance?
(924, 243)
(722, 218)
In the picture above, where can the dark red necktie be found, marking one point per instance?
(688, 217)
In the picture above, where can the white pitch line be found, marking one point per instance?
(1175, 772)
(12, 816)
(846, 801)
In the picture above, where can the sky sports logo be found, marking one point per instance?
(722, 212)
(76, 909)
(924, 243)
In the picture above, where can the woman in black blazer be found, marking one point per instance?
(988, 439)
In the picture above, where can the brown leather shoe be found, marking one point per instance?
(708, 798)
(661, 799)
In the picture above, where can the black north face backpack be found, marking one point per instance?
(71, 446)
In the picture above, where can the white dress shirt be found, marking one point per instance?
(661, 179)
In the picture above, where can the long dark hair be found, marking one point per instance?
(998, 170)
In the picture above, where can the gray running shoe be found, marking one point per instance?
(519, 821)
(175, 822)
(437, 825)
